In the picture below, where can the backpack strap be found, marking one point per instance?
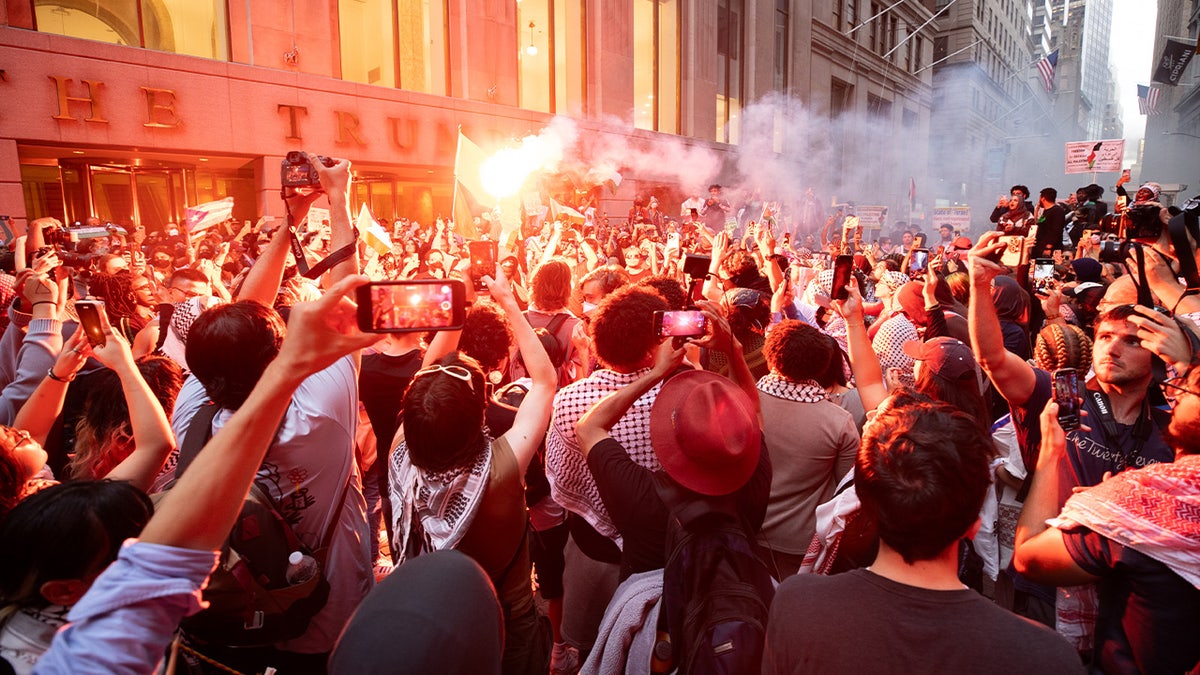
(199, 432)
(557, 323)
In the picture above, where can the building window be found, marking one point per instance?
(192, 27)
(840, 94)
(874, 37)
(918, 48)
(878, 107)
(837, 14)
(550, 56)
(783, 45)
(729, 69)
(366, 41)
(656, 65)
(421, 45)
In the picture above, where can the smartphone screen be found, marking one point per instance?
(1043, 268)
(483, 261)
(685, 323)
(90, 318)
(842, 268)
(918, 260)
(1066, 395)
(408, 306)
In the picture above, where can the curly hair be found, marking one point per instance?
(443, 416)
(103, 434)
(486, 335)
(922, 473)
(1063, 346)
(797, 351)
(622, 328)
(116, 290)
(667, 287)
(551, 285)
(739, 266)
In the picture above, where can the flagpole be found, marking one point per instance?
(454, 194)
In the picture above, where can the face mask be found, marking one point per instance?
(588, 307)
(173, 232)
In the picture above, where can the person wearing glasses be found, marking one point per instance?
(453, 486)
(1135, 535)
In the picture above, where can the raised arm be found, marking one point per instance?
(864, 365)
(38, 414)
(533, 415)
(1013, 377)
(1039, 552)
(263, 279)
(336, 181)
(199, 512)
(152, 437)
(597, 422)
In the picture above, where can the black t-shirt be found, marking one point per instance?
(1149, 616)
(628, 492)
(382, 381)
(860, 622)
(1089, 452)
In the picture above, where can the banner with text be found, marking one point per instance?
(958, 217)
(871, 217)
(1095, 156)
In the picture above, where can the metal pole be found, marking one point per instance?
(921, 28)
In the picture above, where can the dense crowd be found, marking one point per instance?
(861, 433)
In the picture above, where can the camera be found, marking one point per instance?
(1142, 221)
(297, 170)
(1114, 251)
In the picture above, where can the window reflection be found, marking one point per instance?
(192, 27)
(550, 55)
(729, 69)
(656, 65)
(366, 41)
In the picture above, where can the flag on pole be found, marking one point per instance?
(1148, 100)
(204, 216)
(470, 199)
(372, 232)
(1046, 69)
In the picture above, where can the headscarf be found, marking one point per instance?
(1154, 188)
(889, 346)
(1012, 303)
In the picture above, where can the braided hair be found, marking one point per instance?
(1063, 346)
(117, 292)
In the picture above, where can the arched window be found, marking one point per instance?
(192, 27)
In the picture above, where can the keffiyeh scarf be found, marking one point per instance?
(805, 391)
(433, 511)
(1155, 511)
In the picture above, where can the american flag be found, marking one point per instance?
(1046, 69)
(1148, 100)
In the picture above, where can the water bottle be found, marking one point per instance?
(300, 568)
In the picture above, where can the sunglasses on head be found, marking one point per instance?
(457, 372)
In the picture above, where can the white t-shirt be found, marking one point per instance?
(305, 470)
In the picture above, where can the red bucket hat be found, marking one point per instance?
(705, 433)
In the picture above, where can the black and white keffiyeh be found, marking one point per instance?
(805, 391)
(571, 481)
(437, 507)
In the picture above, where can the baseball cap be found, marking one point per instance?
(1087, 269)
(948, 357)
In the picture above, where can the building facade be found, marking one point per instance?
(130, 111)
(1172, 147)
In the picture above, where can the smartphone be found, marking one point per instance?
(1043, 268)
(483, 262)
(1066, 395)
(93, 320)
(1014, 250)
(684, 323)
(673, 240)
(411, 306)
(918, 261)
(696, 266)
(919, 240)
(842, 268)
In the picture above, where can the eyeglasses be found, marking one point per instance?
(457, 372)
(1174, 383)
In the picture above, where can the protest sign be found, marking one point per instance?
(1095, 156)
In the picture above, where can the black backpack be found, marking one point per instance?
(716, 592)
(251, 603)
